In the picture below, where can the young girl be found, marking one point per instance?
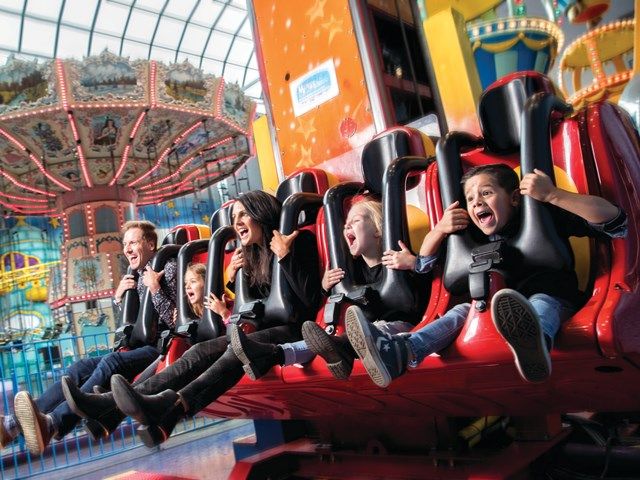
(208, 369)
(194, 287)
(363, 234)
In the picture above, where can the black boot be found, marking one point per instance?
(106, 426)
(155, 434)
(336, 351)
(257, 358)
(146, 409)
(99, 410)
(99, 389)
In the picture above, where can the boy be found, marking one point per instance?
(529, 318)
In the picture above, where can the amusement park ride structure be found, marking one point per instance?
(338, 78)
(354, 429)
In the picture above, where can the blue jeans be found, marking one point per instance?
(87, 373)
(438, 334)
(552, 312)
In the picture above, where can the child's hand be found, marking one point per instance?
(281, 244)
(454, 219)
(402, 260)
(538, 185)
(236, 263)
(331, 277)
(217, 305)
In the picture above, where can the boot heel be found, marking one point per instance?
(96, 429)
(151, 435)
(252, 371)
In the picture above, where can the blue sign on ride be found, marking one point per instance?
(314, 88)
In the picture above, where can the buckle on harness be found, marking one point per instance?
(485, 258)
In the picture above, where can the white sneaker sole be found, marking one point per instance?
(362, 342)
(28, 419)
(518, 324)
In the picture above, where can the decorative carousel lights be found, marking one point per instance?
(599, 63)
(88, 141)
(606, 52)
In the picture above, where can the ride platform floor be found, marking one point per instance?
(205, 454)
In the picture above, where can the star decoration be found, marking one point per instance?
(334, 25)
(20, 221)
(54, 222)
(206, 218)
(317, 11)
(171, 204)
(305, 157)
(306, 127)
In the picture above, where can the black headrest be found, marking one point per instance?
(221, 217)
(299, 183)
(501, 106)
(177, 237)
(380, 152)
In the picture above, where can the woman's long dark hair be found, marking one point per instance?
(264, 209)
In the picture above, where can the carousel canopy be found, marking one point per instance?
(153, 130)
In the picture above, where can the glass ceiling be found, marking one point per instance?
(214, 35)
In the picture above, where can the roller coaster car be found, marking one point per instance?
(216, 252)
(596, 355)
(272, 395)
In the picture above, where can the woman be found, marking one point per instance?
(209, 369)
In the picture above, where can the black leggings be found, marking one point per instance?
(208, 369)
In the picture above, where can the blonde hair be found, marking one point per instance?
(197, 269)
(373, 209)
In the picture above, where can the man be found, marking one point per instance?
(49, 415)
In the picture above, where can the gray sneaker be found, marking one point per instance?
(334, 350)
(518, 323)
(383, 356)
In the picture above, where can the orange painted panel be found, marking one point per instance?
(294, 39)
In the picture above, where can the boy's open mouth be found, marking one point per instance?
(484, 216)
(350, 239)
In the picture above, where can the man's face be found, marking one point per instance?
(136, 248)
